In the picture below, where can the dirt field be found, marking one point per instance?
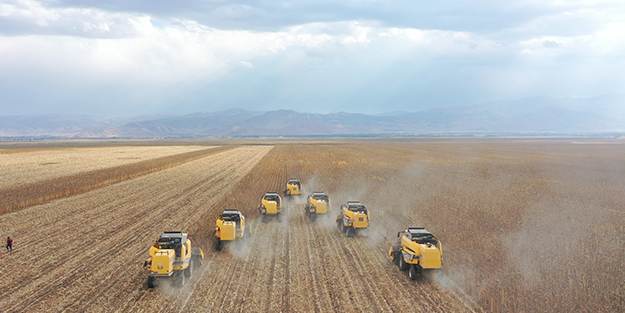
(526, 225)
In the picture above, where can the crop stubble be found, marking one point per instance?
(55, 184)
(25, 167)
(488, 201)
(85, 252)
(295, 265)
(526, 226)
(532, 226)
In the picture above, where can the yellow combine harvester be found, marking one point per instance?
(293, 188)
(172, 258)
(230, 226)
(352, 217)
(317, 203)
(270, 205)
(416, 250)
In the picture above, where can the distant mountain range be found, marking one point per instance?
(536, 115)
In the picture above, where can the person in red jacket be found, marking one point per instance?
(9, 244)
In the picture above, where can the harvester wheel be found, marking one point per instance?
(263, 217)
(279, 217)
(151, 281)
(412, 273)
(348, 232)
(189, 271)
(313, 216)
(218, 245)
(402, 263)
(180, 281)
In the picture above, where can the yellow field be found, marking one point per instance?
(33, 166)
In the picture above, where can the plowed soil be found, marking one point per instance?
(489, 202)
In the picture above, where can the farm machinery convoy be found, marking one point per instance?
(173, 258)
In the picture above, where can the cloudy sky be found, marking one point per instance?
(159, 56)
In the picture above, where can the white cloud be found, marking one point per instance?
(246, 64)
(61, 57)
(27, 17)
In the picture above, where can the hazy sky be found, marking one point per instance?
(369, 56)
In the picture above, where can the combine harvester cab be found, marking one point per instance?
(270, 205)
(317, 203)
(230, 226)
(417, 250)
(293, 188)
(353, 217)
(172, 258)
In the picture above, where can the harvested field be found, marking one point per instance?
(86, 251)
(32, 166)
(533, 225)
(23, 195)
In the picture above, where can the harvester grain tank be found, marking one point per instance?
(230, 227)
(293, 188)
(270, 206)
(173, 258)
(353, 217)
(317, 203)
(417, 250)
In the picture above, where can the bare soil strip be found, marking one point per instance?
(19, 197)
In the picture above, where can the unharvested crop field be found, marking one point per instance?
(526, 225)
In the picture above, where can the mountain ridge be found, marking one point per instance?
(527, 115)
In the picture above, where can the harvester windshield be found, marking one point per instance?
(272, 196)
(230, 216)
(356, 207)
(320, 196)
(172, 240)
(421, 236)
